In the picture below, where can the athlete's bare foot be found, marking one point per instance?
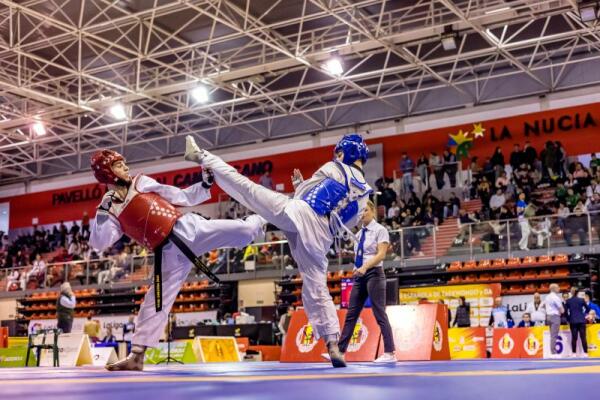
(133, 362)
(192, 151)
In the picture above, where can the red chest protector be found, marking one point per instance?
(147, 218)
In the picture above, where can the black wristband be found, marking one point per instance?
(206, 185)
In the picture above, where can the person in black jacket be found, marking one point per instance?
(576, 309)
(462, 319)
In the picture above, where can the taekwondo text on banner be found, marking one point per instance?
(480, 298)
(467, 343)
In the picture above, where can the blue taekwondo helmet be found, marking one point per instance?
(354, 148)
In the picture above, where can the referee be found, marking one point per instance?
(369, 281)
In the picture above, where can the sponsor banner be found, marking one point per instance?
(15, 357)
(506, 343)
(73, 349)
(420, 331)
(532, 344)
(180, 351)
(301, 344)
(194, 318)
(563, 344)
(217, 349)
(479, 296)
(102, 356)
(467, 343)
(593, 339)
(14, 341)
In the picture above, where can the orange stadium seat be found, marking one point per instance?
(561, 258)
(484, 263)
(529, 260)
(455, 265)
(545, 259)
(470, 264)
(514, 275)
(499, 262)
(514, 261)
(561, 272)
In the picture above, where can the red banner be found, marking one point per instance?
(300, 344)
(577, 128)
(420, 332)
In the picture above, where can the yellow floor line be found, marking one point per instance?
(170, 379)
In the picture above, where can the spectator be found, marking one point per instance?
(92, 329)
(576, 310)
(542, 232)
(437, 163)
(592, 317)
(462, 318)
(497, 162)
(536, 310)
(529, 155)
(109, 337)
(526, 322)
(85, 225)
(554, 308)
(37, 272)
(423, 169)
(452, 206)
(284, 323)
(594, 163)
(463, 221)
(393, 211)
(561, 192)
(587, 297)
(502, 182)
(572, 198)
(523, 223)
(129, 329)
(450, 166)
(517, 157)
(576, 224)
(497, 201)
(266, 180)
(12, 281)
(407, 166)
(500, 317)
(549, 159)
(65, 308)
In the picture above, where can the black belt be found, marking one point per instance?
(180, 244)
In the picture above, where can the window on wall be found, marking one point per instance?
(4, 214)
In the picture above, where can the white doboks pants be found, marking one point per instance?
(201, 235)
(308, 235)
(525, 231)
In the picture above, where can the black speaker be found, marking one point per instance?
(391, 292)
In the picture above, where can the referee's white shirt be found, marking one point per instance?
(375, 234)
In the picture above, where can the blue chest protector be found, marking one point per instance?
(325, 197)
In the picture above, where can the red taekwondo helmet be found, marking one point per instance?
(102, 162)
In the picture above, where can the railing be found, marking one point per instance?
(409, 246)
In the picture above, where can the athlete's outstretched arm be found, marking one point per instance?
(191, 196)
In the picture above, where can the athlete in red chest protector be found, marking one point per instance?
(147, 212)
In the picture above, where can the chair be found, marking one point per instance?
(43, 346)
(485, 263)
(499, 262)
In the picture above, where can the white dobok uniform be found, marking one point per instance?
(199, 234)
(309, 233)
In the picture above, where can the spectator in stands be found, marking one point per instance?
(497, 201)
(437, 164)
(576, 309)
(572, 198)
(517, 157)
(500, 316)
(542, 231)
(576, 224)
(523, 222)
(502, 181)
(536, 310)
(109, 337)
(423, 169)
(463, 221)
(526, 322)
(65, 308)
(92, 329)
(266, 180)
(592, 317)
(37, 272)
(284, 323)
(554, 308)
(561, 159)
(75, 248)
(587, 297)
(85, 225)
(497, 162)
(407, 166)
(462, 319)
(450, 166)
(129, 329)
(393, 212)
(549, 159)
(12, 281)
(452, 206)
(594, 163)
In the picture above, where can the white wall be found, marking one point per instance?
(256, 293)
(389, 128)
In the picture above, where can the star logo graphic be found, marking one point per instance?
(461, 137)
(478, 130)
